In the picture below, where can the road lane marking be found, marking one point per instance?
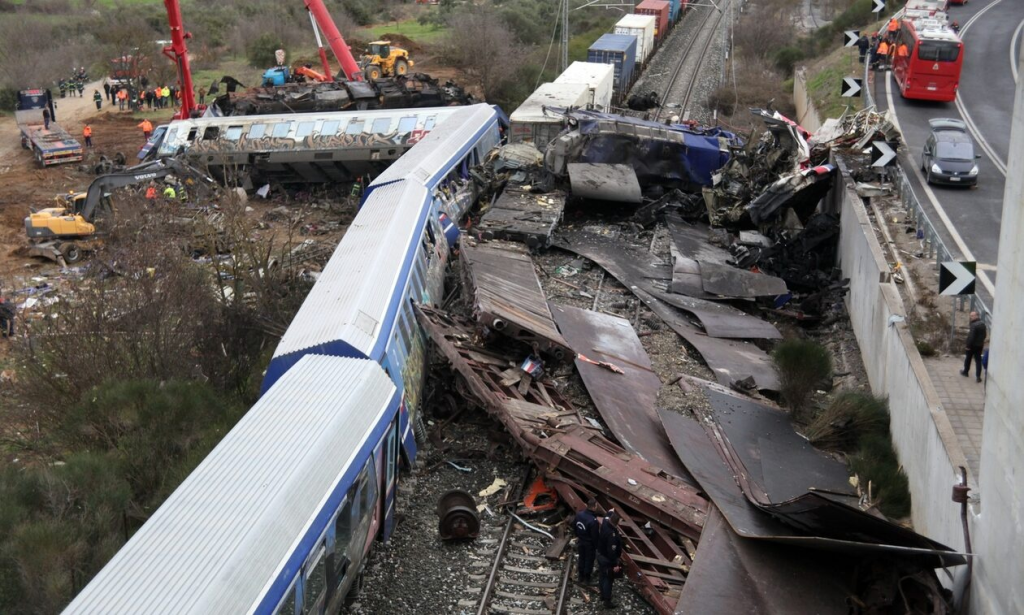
(986, 281)
(1015, 57)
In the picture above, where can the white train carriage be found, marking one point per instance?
(280, 515)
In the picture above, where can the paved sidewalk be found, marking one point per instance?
(963, 399)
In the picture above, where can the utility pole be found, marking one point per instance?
(565, 36)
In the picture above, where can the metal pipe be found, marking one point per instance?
(536, 529)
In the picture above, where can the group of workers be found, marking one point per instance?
(170, 192)
(885, 49)
(598, 538)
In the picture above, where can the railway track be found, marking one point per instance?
(514, 576)
(703, 41)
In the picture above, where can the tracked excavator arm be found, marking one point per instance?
(145, 172)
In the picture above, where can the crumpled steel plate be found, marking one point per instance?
(605, 182)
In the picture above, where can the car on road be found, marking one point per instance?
(948, 155)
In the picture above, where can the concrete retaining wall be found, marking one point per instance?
(924, 440)
(806, 113)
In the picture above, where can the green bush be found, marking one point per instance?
(849, 417)
(803, 366)
(260, 51)
(925, 349)
(876, 464)
(786, 58)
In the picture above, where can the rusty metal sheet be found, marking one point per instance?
(636, 269)
(520, 215)
(812, 520)
(750, 577)
(508, 298)
(692, 240)
(728, 281)
(730, 360)
(605, 182)
(777, 457)
(626, 401)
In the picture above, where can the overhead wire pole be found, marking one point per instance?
(565, 35)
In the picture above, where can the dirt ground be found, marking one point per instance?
(25, 185)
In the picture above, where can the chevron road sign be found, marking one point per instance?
(851, 37)
(956, 278)
(851, 87)
(882, 154)
(879, 6)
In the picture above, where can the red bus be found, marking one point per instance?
(927, 60)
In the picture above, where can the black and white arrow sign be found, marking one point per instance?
(956, 278)
(882, 154)
(851, 37)
(851, 87)
(879, 6)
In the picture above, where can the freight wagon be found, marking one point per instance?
(620, 51)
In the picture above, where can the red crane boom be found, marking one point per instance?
(178, 53)
(349, 66)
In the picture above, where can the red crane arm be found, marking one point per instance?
(349, 66)
(178, 53)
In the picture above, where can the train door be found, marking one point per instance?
(390, 478)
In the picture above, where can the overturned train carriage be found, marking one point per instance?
(280, 516)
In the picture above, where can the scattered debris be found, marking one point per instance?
(520, 215)
(458, 518)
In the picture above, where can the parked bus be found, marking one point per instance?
(927, 60)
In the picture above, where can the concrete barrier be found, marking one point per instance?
(924, 439)
(806, 113)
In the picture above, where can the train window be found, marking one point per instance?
(212, 132)
(406, 125)
(304, 130)
(382, 125)
(233, 133)
(329, 128)
(343, 526)
(281, 129)
(316, 580)
(257, 131)
(405, 326)
(354, 127)
(192, 135)
(287, 606)
(430, 122)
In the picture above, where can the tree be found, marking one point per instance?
(482, 44)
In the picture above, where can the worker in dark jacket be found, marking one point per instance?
(609, 548)
(975, 344)
(862, 47)
(587, 533)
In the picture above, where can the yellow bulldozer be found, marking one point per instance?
(383, 60)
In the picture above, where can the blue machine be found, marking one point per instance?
(279, 75)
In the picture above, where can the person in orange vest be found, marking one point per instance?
(122, 98)
(892, 28)
(87, 135)
(151, 191)
(883, 52)
(147, 128)
(902, 51)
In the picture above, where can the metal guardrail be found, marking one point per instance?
(931, 240)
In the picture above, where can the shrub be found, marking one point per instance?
(848, 418)
(786, 58)
(803, 366)
(876, 464)
(926, 349)
(260, 51)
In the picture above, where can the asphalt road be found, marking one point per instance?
(968, 219)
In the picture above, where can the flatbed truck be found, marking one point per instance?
(52, 145)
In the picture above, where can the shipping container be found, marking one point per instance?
(642, 27)
(675, 10)
(659, 10)
(532, 123)
(620, 51)
(600, 78)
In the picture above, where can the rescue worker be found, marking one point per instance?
(107, 90)
(165, 94)
(122, 97)
(587, 532)
(862, 47)
(87, 133)
(147, 128)
(892, 29)
(63, 88)
(202, 96)
(883, 54)
(46, 118)
(956, 27)
(609, 548)
(151, 191)
(902, 51)
(98, 99)
(81, 89)
(170, 193)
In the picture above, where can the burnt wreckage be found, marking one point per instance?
(725, 507)
(402, 92)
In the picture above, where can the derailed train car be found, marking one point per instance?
(281, 514)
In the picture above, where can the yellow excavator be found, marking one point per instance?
(64, 233)
(383, 60)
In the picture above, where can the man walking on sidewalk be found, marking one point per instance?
(975, 344)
